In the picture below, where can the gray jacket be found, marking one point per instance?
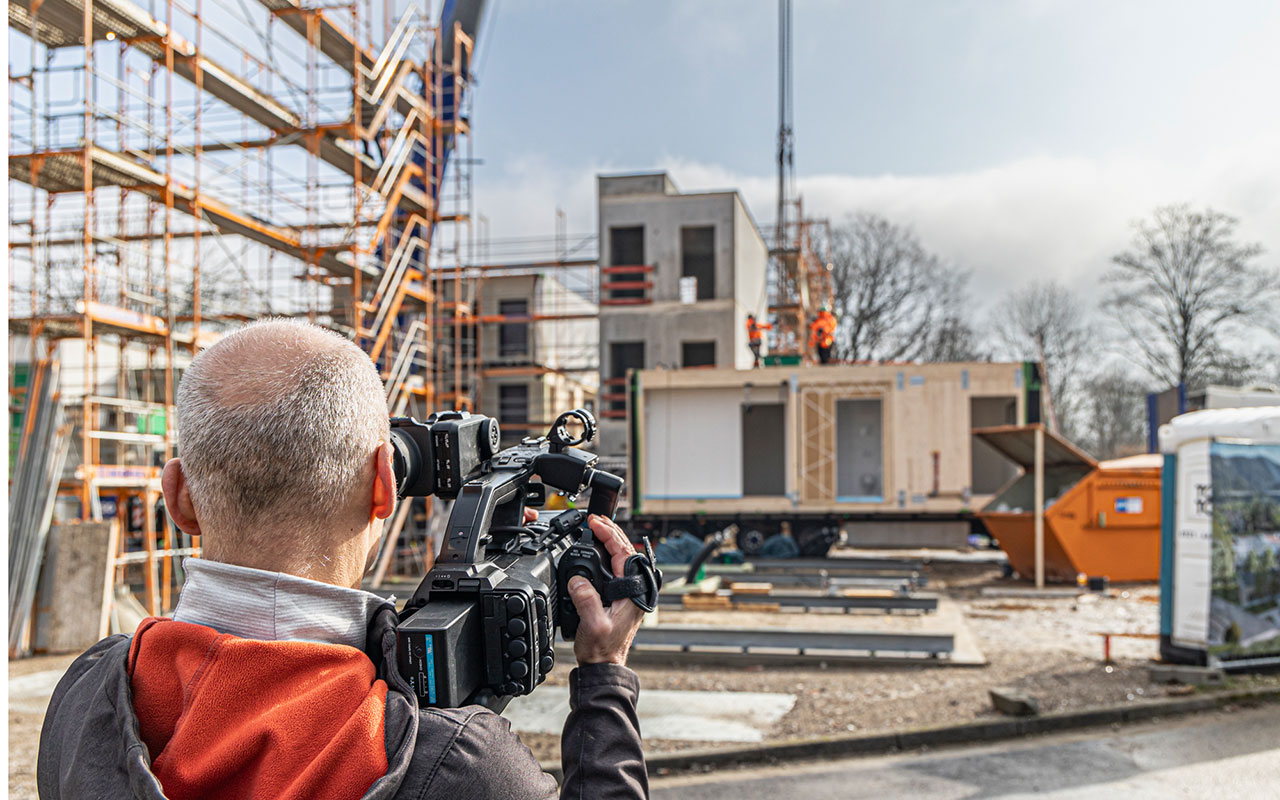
(91, 746)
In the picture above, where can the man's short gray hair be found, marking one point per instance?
(278, 423)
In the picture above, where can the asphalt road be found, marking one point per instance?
(1219, 754)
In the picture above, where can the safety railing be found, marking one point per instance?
(629, 285)
(613, 398)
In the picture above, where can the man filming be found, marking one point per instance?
(276, 676)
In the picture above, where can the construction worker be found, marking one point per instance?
(822, 334)
(755, 335)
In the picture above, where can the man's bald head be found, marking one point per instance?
(279, 423)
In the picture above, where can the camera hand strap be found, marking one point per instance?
(640, 581)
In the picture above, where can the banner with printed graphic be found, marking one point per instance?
(1244, 607)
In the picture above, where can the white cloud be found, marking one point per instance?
(1040, 217)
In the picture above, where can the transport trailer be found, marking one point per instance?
(876, 455)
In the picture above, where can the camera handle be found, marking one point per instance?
(493, 500)
(588, 558)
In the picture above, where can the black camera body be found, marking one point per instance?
(481, 626)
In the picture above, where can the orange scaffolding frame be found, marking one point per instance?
(238, 190)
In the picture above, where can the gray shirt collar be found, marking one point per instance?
(273, 606)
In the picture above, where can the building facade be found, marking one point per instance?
(679, 273)
(537, 346)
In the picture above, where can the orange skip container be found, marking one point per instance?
(1101, 518)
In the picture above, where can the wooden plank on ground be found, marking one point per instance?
(76, 597)
(706, 602)
(869, 593)
(743, 587)
(766, 607)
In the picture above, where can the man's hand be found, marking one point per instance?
(605, 634)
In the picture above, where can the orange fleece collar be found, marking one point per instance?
(241, 718)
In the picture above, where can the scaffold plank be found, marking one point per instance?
(60, 23)
(62, 171)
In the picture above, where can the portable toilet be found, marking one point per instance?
(1220, 542)
(1100, 518)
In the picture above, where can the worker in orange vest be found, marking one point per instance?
(755, 335)
(822, 334)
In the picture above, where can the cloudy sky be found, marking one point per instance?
(1018, 139)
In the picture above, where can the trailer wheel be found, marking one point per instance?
(750, 540)
(815, 540)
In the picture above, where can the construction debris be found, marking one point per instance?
(42, 453)
(1014, 703)
(76, 586)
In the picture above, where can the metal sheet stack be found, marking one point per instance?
(42, 454)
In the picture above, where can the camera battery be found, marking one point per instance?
(433, 645)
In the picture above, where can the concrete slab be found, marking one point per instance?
(948, 619)
(667, 714)
(31, 693)
(1181, 673)
(967, 652)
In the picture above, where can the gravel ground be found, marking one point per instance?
(1048, 648)
(24, 729)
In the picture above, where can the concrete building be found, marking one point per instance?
(678, 275)
(538, 344)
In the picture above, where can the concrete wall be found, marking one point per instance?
(662, 217)
(641, 183)
(665, 324)
(550, 394)
(569, 345)
(555, 344)
(749, 291)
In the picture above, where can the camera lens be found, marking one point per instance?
(405, 459)
(411, 458)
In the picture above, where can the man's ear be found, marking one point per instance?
(384, 483)
(177, 498)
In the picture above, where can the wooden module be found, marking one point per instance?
(890, 440)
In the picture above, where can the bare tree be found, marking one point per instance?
(953, 337)
(1113, 414)
(893, 298)
(1184, 287)
(1045, 322)
(1242, 368)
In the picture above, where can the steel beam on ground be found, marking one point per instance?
(833, 565)
(735, 573)
(901, 584)
(922, 603)
(768, 640)
(824, 581)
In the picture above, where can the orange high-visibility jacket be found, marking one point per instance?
(755, 329)
(822, 331)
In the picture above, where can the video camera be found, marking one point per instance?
(481, 626)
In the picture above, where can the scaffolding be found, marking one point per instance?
(173, 177)
(799, 281)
